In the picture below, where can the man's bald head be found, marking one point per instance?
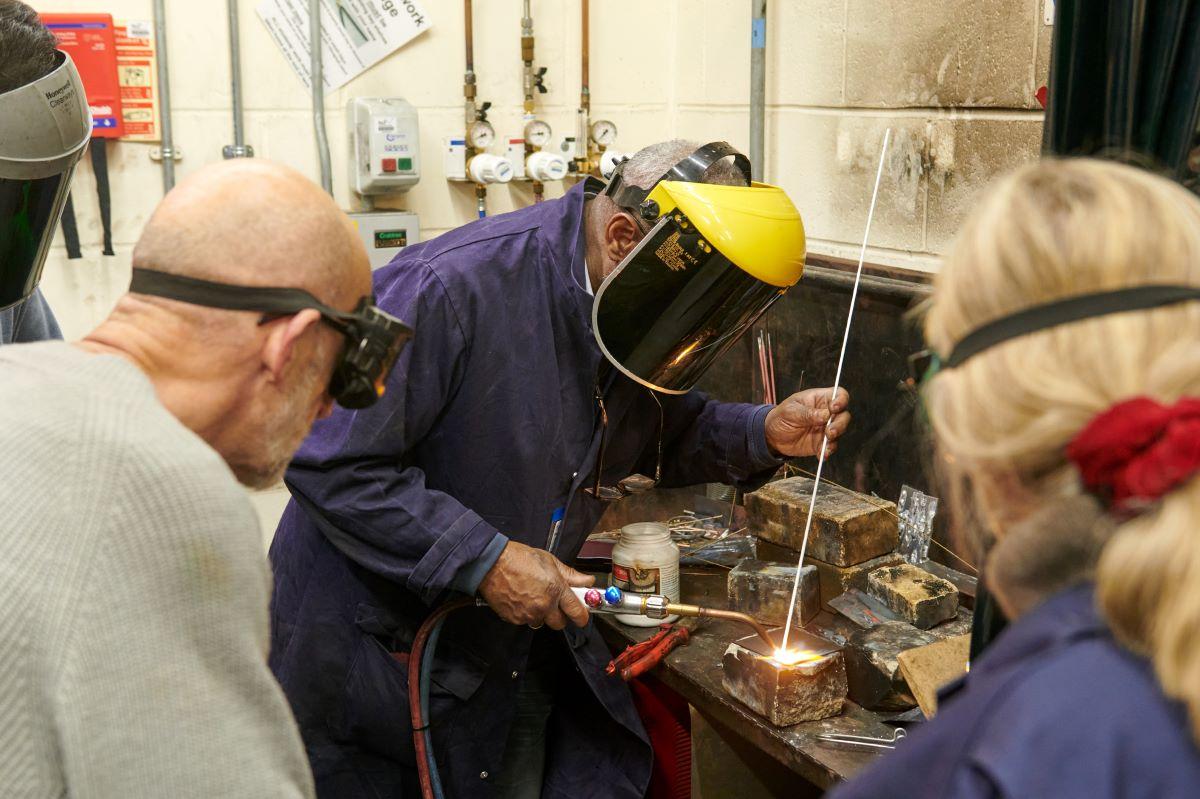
(256, 223)
(249, 384)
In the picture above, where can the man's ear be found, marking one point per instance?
(281, 341)
(621, 235)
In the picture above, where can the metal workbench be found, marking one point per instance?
(694, 672)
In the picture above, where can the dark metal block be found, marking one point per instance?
(872, 667)
(914, 594)
(834, 580)
(785, 694)
(764, 590)
(847, 527)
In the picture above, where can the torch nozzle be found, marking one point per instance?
(728, 615)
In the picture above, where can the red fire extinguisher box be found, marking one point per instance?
(89, 40)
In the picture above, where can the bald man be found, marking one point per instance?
(133, 587)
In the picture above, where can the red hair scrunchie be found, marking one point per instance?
(1138, 450)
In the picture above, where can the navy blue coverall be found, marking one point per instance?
(488, 426)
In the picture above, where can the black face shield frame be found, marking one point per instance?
(374, 338)
(691, 169)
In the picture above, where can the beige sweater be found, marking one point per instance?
(133, 598)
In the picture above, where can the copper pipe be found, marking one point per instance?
(470, 35)
(729, 615)
(469, 112)
(527, 56)
(584, 92)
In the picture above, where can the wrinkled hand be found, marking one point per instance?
(795, 426)
(531, 586)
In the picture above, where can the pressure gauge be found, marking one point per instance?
(603, 132)
(481, 135)
(537, 133)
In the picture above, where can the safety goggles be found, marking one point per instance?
(634, 483)
(374, 338)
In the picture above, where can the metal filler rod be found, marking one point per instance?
(837, 380)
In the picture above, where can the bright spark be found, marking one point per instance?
(790, 657)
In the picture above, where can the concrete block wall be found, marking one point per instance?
(955, 79)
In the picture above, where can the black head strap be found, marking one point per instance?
(1061, 312)
(692, 168)
(229, 297)
(688, 170)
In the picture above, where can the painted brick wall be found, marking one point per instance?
(955, 78)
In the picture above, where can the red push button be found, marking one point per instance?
(388, 164)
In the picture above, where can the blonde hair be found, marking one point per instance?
(1050, 230)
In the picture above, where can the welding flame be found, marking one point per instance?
(790, 657)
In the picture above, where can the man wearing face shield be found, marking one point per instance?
(39, 146)
(511, 427)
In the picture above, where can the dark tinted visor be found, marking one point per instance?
(673, 306)
(29, 211)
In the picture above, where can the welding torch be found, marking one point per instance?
(613, 600)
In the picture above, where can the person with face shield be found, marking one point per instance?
(551, 376)
(44, 128)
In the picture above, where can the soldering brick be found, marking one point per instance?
(785, 695)
(959, 624)
(873, 666)
(847, 528)
(833, 580)
(764, 590)
(914, 594)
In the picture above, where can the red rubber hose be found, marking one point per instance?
(414, 690)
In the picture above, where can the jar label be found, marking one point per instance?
(639, 581)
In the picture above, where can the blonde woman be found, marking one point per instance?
(1068, 412)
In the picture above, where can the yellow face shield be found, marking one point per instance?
(715, 260)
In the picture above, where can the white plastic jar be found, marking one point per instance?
(646, 561)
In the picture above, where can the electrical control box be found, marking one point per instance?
(385, 147)
(385, 233)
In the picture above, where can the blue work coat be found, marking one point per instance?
(488, 426)
(1053, 708)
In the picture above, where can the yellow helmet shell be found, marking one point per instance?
(756, 227)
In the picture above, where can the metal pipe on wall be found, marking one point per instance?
(317, 79)
(167, 147)
(758, 86)
(527, 55)
(469, 75)
(582, 116)
(585, 93)
(238, 149)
